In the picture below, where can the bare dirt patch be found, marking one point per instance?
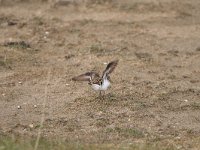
(155, 94)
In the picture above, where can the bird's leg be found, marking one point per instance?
(104, 93)
(100, 94)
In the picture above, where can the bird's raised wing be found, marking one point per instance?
(88, 76)
(110, 67)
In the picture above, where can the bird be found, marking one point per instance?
(97, 82)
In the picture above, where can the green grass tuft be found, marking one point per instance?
(22, 143)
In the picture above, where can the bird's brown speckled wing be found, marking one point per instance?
(110, 67)
(88, 76)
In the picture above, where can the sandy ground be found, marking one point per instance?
(155, 94)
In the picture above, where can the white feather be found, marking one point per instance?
(104, 86)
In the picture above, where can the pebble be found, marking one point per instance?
(20, 82)
(105, 63)
(35, 106)
(31, 125)
(186, 100)
(19, 107)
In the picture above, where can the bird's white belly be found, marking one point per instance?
(96, 87)
(105, 85)
(102, 87)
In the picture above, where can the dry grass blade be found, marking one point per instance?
(43, 113)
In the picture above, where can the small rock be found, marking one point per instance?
(3, 94)
(185, 100)
(20, 82)
(105, 63)
(198, 49)
(35, 106)
(46, 32)
(179, 147)
(19, 107)
(31, 125)
(67, 84)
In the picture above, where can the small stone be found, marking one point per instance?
(31, 125)
(35, 106)
(67, 84)
(179, 147)
(20, 82)
(105, 63)
(185, 100)
(19, 107)
(46, 32)
(198, 49)
(3, 94)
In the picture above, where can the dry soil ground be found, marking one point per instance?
(155, 95)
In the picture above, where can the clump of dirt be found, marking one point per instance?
(19, 45)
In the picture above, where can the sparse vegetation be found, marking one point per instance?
(129, 132)
(195, 106)
(2, 63)
(96, 49)
(18, 143)
(20, 44)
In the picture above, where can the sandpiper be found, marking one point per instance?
(97, 82)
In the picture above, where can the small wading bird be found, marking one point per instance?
(98, 83)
